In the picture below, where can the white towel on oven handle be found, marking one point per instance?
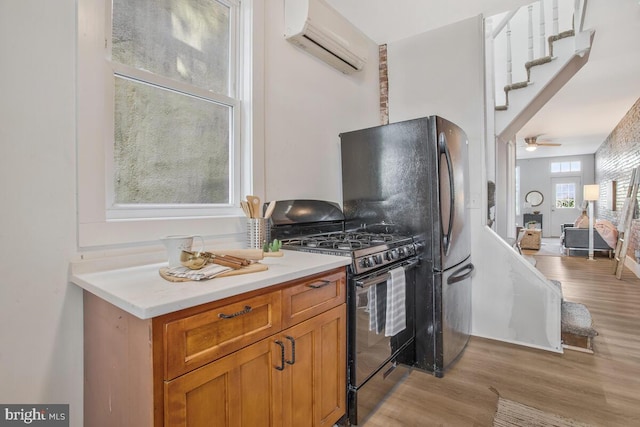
(396, 320)
(371, 308)
(375, 313)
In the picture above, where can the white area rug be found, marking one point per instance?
(514, 414)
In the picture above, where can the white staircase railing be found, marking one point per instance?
(513, 38)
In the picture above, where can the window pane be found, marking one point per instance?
(559, 167)
(565, 195)
(169, 147)
(186, 41)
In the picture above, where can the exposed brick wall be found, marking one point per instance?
(384, 85)
(615, 159)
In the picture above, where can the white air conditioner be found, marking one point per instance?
(317, 28)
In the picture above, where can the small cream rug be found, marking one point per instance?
(514, 414)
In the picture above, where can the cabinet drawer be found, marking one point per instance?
(195, 340)
(312, 295)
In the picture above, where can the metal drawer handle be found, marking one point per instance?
(247, 309)
(324, 283)
(281, 344)
(293, 350)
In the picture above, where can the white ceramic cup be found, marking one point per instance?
(177, 243)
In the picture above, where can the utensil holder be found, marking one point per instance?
(258, 232)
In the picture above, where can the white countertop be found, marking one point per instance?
(141, 291)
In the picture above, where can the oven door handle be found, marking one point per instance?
(373, 281)
(383, 278)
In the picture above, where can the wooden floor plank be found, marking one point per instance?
(602, 389)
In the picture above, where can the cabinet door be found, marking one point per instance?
(314, 378)
(242, 389)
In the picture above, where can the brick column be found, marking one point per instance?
(384, 84)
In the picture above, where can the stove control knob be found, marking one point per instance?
(400, 251)
(394, 254)
(377, 259)
(371, 261)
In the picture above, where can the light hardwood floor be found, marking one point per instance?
(602, 389)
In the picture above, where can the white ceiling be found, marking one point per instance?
(585, 111)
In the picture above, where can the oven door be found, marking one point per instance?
(377, 331)
(380, 351)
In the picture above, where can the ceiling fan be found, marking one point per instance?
(533, 144)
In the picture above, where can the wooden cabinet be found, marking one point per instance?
(195, 340)
(274, 357)
(241, 389)
(295, 378)
(314, 385)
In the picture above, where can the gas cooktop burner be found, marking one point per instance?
(368, 250)
(342, 240)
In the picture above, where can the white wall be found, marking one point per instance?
(40, 313)
(442, 72)
(535, 174)
(307, 105)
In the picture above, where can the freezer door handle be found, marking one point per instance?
(461, 274)
(444, 151)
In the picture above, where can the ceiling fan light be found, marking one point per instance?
(531, 148)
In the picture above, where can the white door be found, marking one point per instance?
(566, 198)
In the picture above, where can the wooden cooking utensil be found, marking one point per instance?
(270, 208)
(254, 202)
(197, 260)
(251, 254)
(245, 208)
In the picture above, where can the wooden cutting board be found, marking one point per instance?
(253, 268)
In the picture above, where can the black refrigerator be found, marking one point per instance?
(411, 177)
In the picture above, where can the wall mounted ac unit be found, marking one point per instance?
(317, 28)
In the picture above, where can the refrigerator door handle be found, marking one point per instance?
(461, 274)
(444, 150)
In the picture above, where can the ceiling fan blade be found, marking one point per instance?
(549, 144)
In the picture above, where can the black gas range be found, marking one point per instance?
(369, 251)
(378, 352)
(318, 227)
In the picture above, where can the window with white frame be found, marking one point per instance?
(160, 144)
(564, 167)
(174, 109)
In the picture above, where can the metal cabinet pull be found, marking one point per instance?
(281, 344)
(322, 285)
(293, 350)
(247, 309)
